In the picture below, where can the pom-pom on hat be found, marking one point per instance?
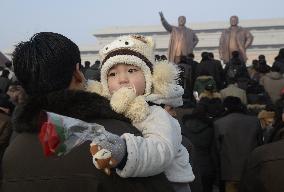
(134, 50)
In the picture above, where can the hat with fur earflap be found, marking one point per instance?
(161, 77)
(165, 85)
(134, 50)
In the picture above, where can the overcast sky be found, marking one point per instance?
(79, 19)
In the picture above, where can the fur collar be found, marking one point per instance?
(210, 95)
(77, 104)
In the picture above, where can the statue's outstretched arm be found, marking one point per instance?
(166, 25)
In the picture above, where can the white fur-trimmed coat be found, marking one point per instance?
(159, 150)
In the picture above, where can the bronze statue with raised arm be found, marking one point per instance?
(182, 40)
(235, 38)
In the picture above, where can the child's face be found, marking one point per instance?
(123, 75)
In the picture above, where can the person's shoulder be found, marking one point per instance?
(267, 153)
(117, 126)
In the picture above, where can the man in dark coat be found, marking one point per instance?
(213, 68)
(279, 60)
(264, 171)
(236, 135)
(48, 67)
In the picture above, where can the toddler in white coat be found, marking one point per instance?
(132, 80)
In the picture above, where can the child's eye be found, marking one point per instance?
(111, 74)
(132, 70)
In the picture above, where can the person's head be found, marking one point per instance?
(235, 54)
(266, 118)
(87, 64)
(281, 53)
(5, 73)
(8, 64)
(183, 59)
(157, 57)
(163, 57)
(16, 93)
(255, 63)
(96, 65)
(211, 55)
(48, 62)
(204, 56)
(234, 20)
(128, 62)
(181, 20)
(191, 55)
(261, 57)
(233, 105)
(125, 75)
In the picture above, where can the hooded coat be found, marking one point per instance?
(273, 82)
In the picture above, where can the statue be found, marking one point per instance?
(234, 38)
(182, 40)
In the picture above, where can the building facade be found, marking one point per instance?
(268, 38)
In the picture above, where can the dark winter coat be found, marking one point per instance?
(214, 70)
(201, 82)
(236, 136)
(264, 171)
(201, 134)
(25, 168)
(279, 63)
(273, 82)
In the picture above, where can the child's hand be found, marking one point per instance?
(122, 98)
(126, 102)
(101, 158)
(109, 152)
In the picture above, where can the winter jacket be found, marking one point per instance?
(272, 82)
(214, 69)
(236, 135)
(264, 171)
(25, 168)
(159, 150)
(201, 134)
(233, 90)
(279, 63)
(201, 82)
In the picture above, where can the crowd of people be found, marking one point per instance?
(236, 118)
(233, 131)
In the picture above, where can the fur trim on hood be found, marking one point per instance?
(77, 104)
(204, 77)
(210, 95)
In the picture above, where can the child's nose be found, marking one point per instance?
(123, 79)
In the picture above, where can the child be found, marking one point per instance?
(129, 78)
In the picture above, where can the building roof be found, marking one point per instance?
(198, 27)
